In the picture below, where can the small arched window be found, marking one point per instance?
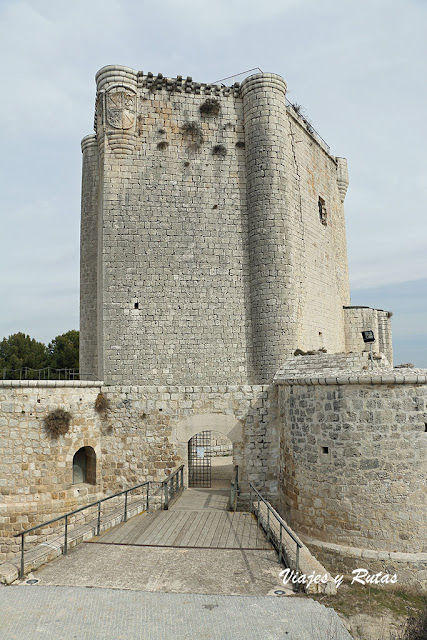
(84, 466)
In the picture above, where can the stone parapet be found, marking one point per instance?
(58, 384)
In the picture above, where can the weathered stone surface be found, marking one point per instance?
(200, 267)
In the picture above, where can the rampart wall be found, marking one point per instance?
(353, 463)
(142, 436)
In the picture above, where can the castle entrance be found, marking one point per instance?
(210, 460)
(199, 460)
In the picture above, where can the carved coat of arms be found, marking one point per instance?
(121, 108)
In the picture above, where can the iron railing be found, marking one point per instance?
(172, 486)
(46, 373)
(266, 525)
(234, 489)
(169, 488)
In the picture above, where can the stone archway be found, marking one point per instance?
(230, 427)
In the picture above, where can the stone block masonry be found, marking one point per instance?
(143, 436)
(353, 452)
(204, 256)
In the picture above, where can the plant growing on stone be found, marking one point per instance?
(162, 145)
(57, 422)
(210, 107)
(193, 130)
(219, 150)
(102, 404)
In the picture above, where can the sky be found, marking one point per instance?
(357, 68)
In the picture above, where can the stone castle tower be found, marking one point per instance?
(212, 248)
(213, 238)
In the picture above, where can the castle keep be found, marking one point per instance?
(215, 298)
(213, 235)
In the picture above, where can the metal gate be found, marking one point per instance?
(199, 460)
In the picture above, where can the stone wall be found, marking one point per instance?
(212, 193)
(36, 470)
(142, 436)
(358, 319)
(353, 459)
(89, 280)
(220, 445)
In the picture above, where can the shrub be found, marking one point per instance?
(102, 404)
(210, 107)
(57, 422)
(415, 628)
(162, 145)
(194, 130)
(219, 150)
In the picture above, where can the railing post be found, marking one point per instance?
(166, 507)
(22, 556)
(148, 496)
(66, 536)
(280, 543)
(182, 477)
(268, 524)
(99, 519)
(297, 561)
(126, 507)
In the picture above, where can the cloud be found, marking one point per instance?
(355, 67)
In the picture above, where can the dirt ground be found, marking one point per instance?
(374, 613)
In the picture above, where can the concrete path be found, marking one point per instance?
(167, 592)
(49, 613)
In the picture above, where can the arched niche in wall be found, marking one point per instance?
(84, 466)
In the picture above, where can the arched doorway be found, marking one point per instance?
(84, 466)
(227, 425)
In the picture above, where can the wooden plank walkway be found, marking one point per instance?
(198, 519)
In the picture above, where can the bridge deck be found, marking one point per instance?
(198, 519)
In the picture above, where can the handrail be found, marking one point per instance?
(47, 373)
(176, 480)
(234, 489)
(168, 493)
(282, 526)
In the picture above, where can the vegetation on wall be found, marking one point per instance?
(193, 130)
(102, 404)
(57, 422)
(210, 107)
(219, 150)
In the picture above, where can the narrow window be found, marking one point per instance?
(323, 214)
(325, 449)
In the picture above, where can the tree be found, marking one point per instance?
(64, 351)
(19, 351)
